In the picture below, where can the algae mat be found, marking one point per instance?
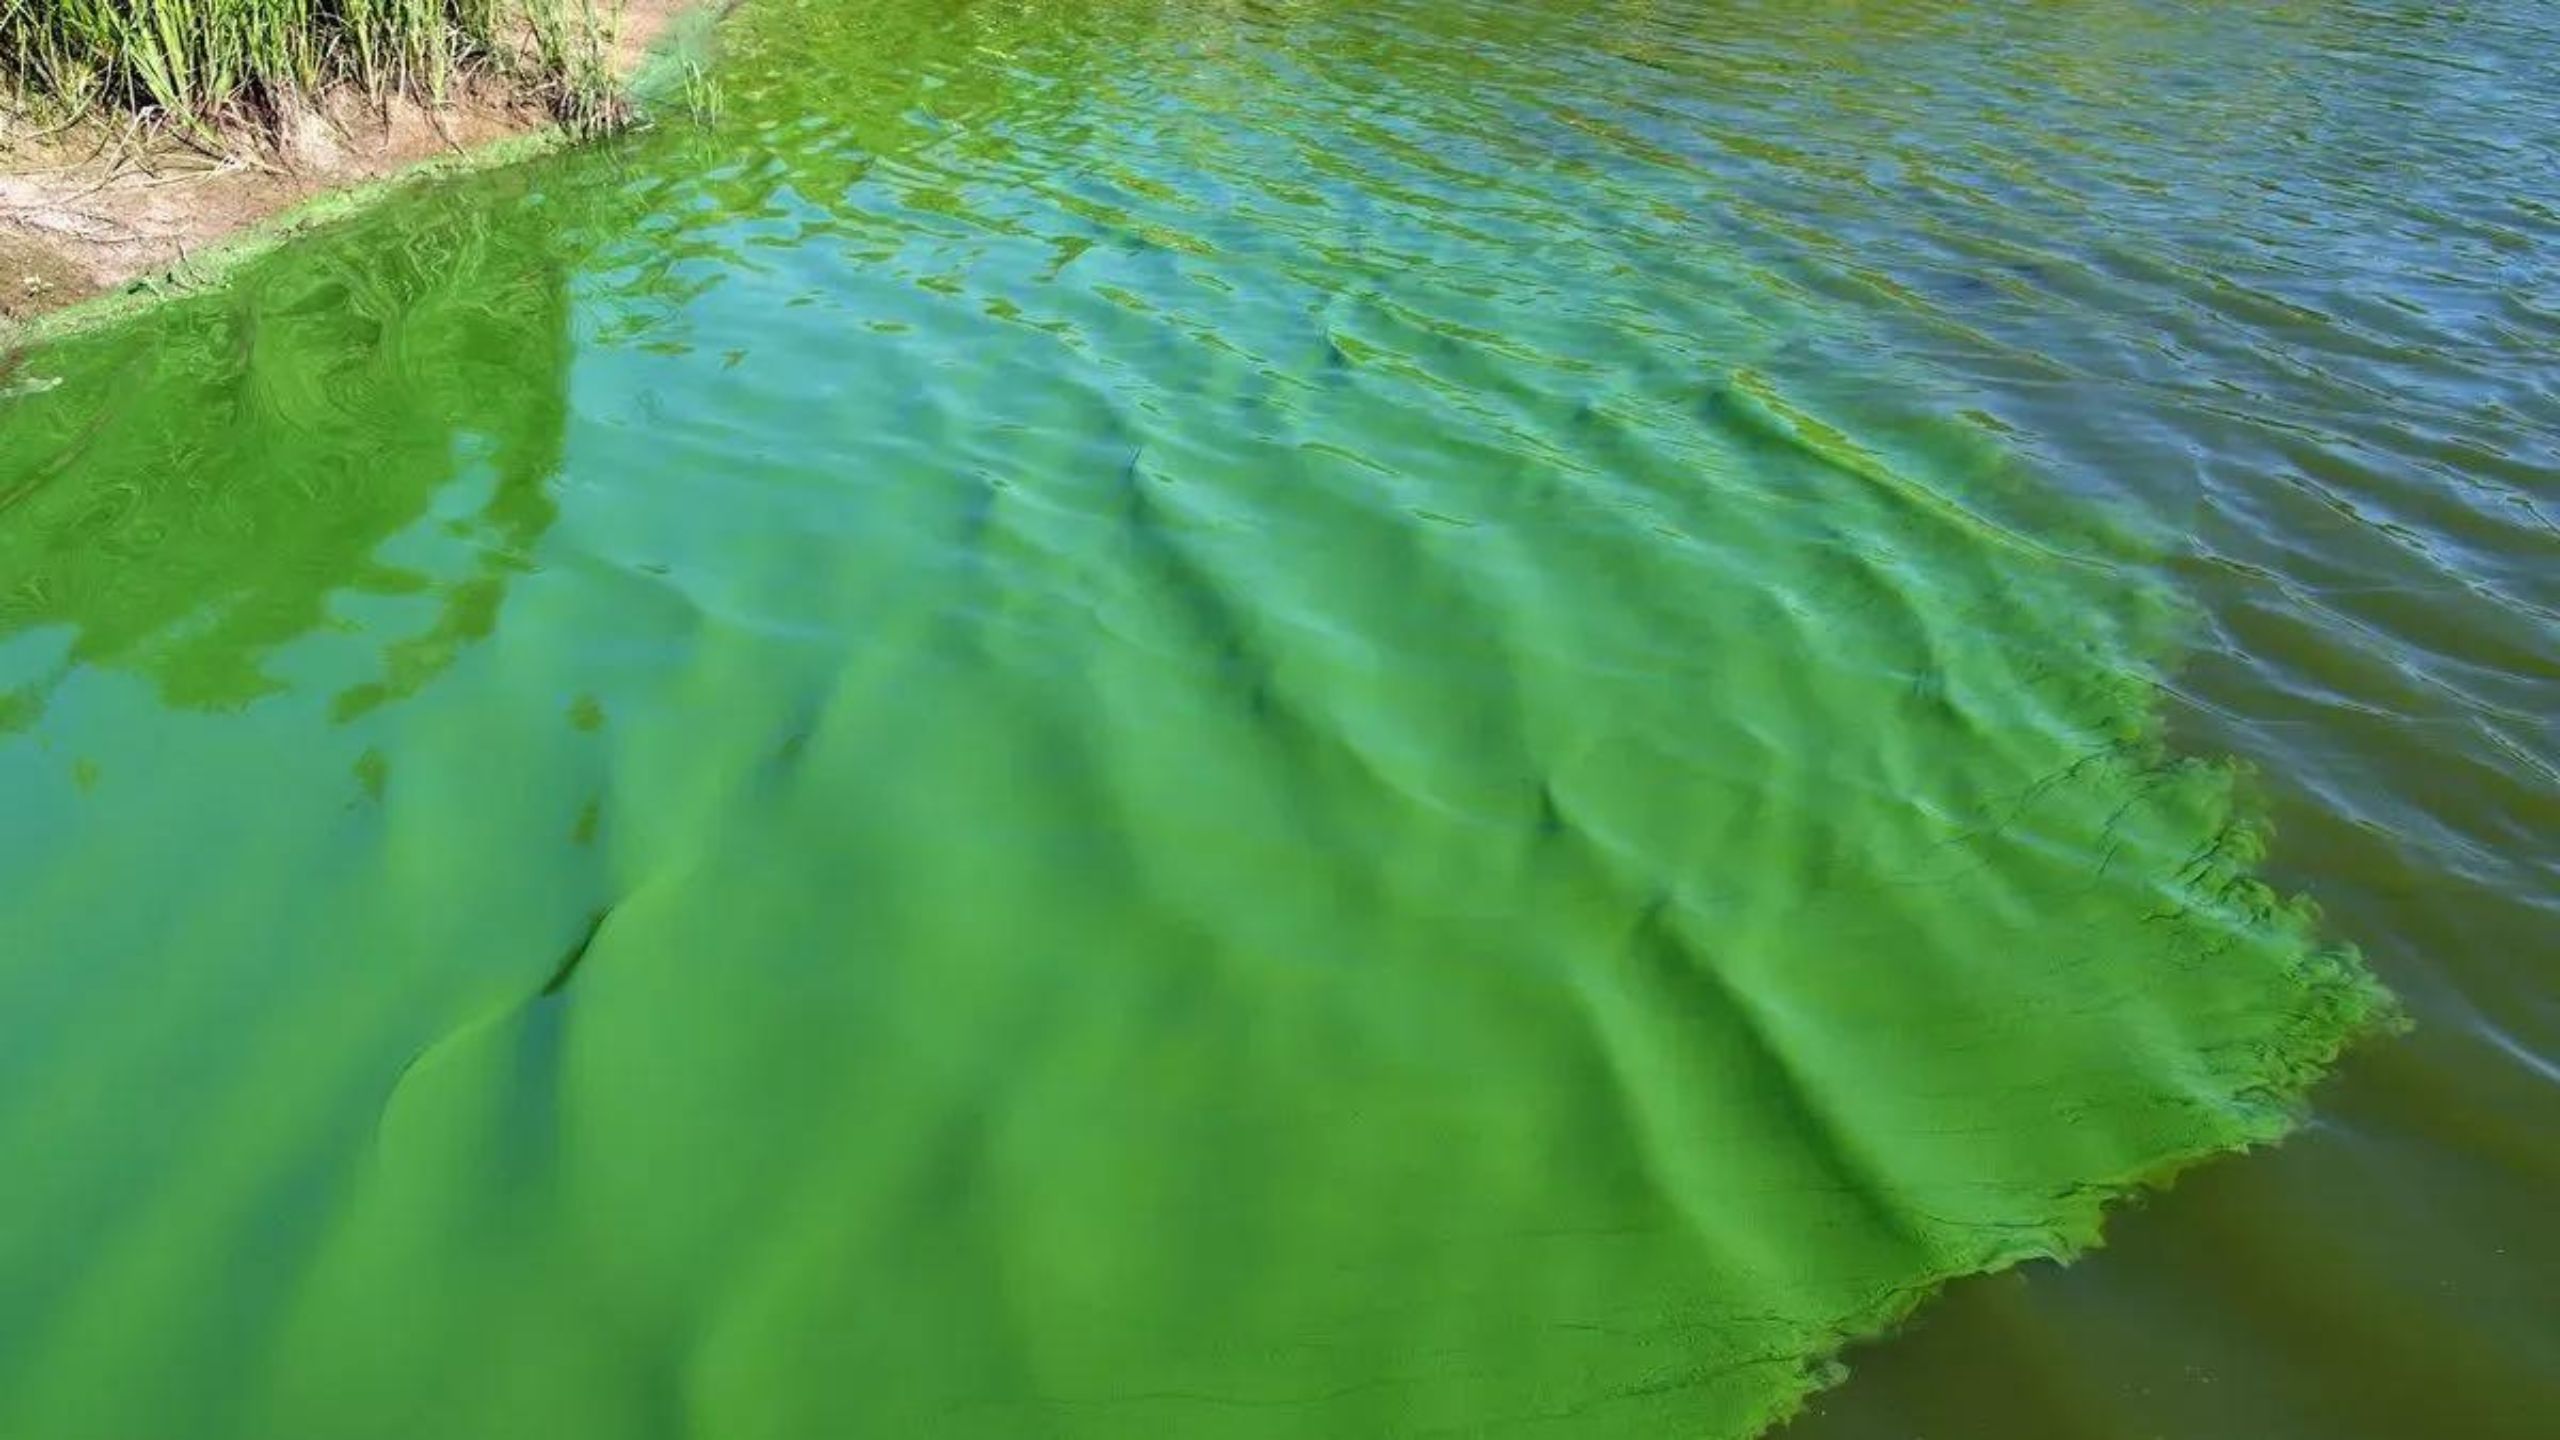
(1099, 720)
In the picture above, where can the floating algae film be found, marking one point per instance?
(1099, 720)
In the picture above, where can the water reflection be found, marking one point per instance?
(365, 415)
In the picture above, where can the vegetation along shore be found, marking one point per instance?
(140, 137)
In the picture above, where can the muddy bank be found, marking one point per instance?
(90, 211)
(35, 277)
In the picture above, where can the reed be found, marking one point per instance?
(200, 65)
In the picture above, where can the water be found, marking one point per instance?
(1257, 720)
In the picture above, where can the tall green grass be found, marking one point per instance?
(201, 63)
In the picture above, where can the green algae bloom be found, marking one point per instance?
(1101, 721)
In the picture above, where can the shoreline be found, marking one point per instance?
(89, 239)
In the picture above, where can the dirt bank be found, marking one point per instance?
(91, 210)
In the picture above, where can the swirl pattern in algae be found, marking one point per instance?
(1103, 720)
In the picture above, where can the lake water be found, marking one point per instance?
(1106, 719)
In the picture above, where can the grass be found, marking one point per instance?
(200, 66)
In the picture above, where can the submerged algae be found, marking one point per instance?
(1096, 723)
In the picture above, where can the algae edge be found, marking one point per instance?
(2344, 1005)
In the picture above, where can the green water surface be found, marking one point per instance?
(1098, 719)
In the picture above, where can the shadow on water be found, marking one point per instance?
(361, 415)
